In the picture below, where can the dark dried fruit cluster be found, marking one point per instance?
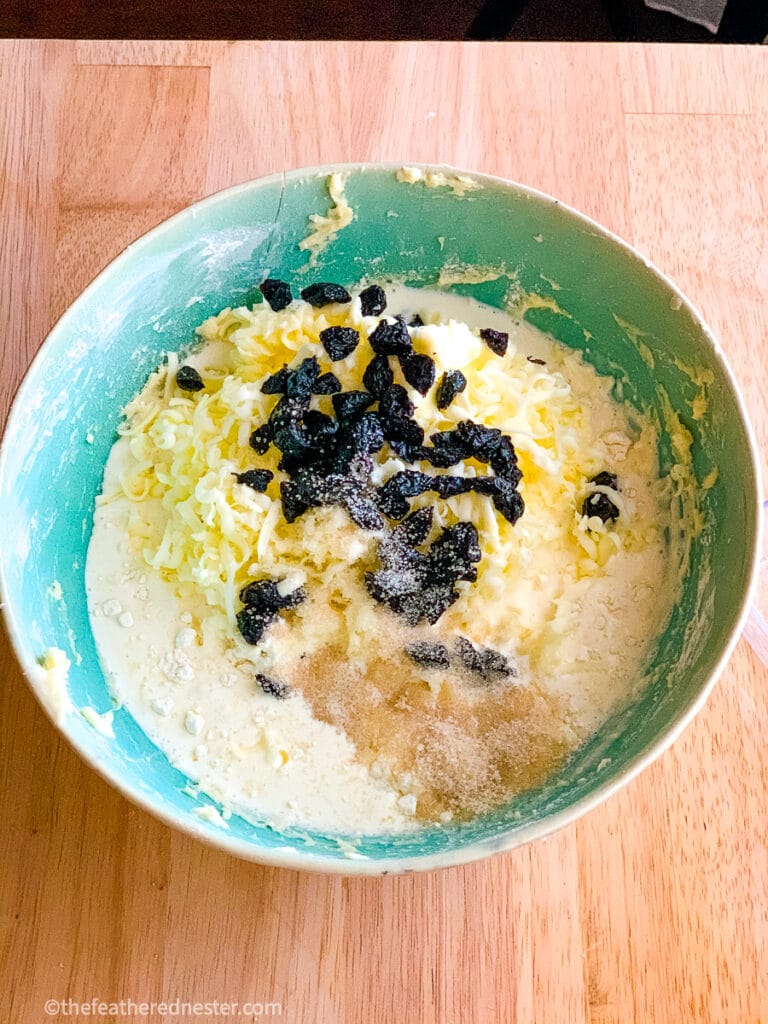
(597, 503)
(327, 459)
(257, 479)
(484, 662)
(262, 603)
(273, 687)
(420, 585)
(497, 341)
(373, 300)
(188, 379)
(277, 293)
(451, 384)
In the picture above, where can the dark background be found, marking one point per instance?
(745, 21)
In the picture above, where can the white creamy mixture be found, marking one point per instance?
(574, 602)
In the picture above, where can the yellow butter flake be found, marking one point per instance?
(702, 377)
(459, 184)
(699, 406)
(101, 722)
(636, 335)
(461, 273)
(51, 676)
(326, 227)
(209, 813)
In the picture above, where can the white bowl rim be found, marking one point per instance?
(288, 857)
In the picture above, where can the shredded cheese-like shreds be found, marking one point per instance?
(185, 449)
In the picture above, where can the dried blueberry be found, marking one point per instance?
(324, 293)
(415, 321)
(339, 342)
(394, 403)
(392, 503)
(188, 379)
(253, 623)
(388, 585)
(503, 461)
(451, 384)
(450, 486)
(284, 410)
(447, 449)
(262, 595)
(298, 458)
(496, 341)
(294, 500)
(348, 405)
(396, 554)
(286, 423)
(483, 661)
(275, 385)
(487, 444)
(337, 461)
(301, 381)
(273, 687)
(302, 492)
(360, 468)
(365, 435)
(320, 430)
(415, 529)
(276, 293)
(357, 439)
(428, 654)
(260, 439)
(257, 479)
(452, 556)
(319, 424)
(362, 509)
(373, 300)
(480, 441)
(406, 431)
(327, 384)
(606, 479)
(508, 502)
(419, 371)
(391, 339)
(506, 499)
(293, 599)
(463, 538)
(405, 450)
(407, 484)
(600, 505)
(428, 603)
(378, 376)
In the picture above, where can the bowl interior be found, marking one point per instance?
(572, 279)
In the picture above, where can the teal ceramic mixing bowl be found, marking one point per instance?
(568, 275)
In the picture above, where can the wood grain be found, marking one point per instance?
(652, 908)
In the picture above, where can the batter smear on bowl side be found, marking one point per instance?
(368, 560)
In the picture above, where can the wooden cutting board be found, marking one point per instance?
(652, 908)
